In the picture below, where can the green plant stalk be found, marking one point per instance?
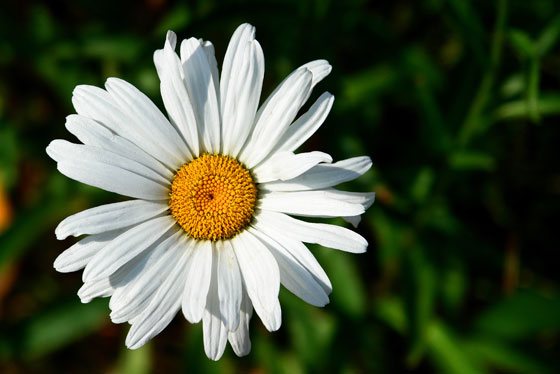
(473, 119)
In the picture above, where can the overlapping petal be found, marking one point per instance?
(321, 203)
(108, 217)
(108, 171)
(240, 88)
(323, 176)
(200, 85)
(174, 93)
(260, 275)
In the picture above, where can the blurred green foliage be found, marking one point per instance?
(456, 101)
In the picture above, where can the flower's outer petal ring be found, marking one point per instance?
(162, 308)
(297, 250)
(286, 165)
(174, 93)
(323, 176)
(239, 339)
(330, 236)
(130, 300)
(97, 104)
(241, 84)
(214, 331)
(198, 274)
(293, 275)
(202, 91)
(92, 133)
(260, 275)
(274, 117)
(107, 171)
(321, 203)
(126, 246)
(108, 217)
(148, 119)
(77, 256)
(229, 284)
(306, 125)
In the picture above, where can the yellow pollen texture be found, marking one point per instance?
(213, 197)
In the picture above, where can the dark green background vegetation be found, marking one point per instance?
(457, 102)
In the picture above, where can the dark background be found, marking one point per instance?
(457, 102)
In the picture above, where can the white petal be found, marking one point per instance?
(108, 217)
(107, 171)
(298, 251)
(208, 48)
(174, 93)
(229, 284)
(240, 339)
(103, 287)
(286, 165)
(243, 34)
(261, 276)
(78, 255)
(148, 119)
(241, 85)
(324, 176)
(202, 91)
(322, 203)
(162, 308)
(330, 236)
(353, 220)
(293, 275)
(276, 317)
(214, 331)
(275, 115)
(319, 68)
(92, 133)
(306, 125)
(126, 246)
(198, 274)
(62, 151)
(98, 104)
(96, 288)
(131, 299)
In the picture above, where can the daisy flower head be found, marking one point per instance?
(216, 189)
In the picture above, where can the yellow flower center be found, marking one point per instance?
(213, 197)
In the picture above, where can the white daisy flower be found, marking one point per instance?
(210, 228)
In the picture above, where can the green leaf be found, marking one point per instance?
(176, 19)
(311, 329)
(137, 361)
(360, 87)
(58, 327)
(521, 316)
(548, 104)
(453, 284)
(391, 311)
(472, 160)
(43, 215)
(390, 237)
(504, 358)
(533, 80)
(422, 184)
(420, 282)
(123, 48)
(513, 86)
(549, 37)
(522, 43)
(447, 352)
(348, 290)
(471, 27)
